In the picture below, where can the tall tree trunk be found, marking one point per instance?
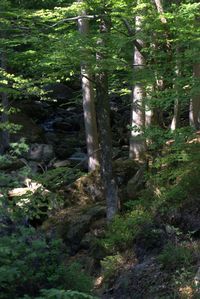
(176, 117)
(4, 134)
(137, 142)
(110, 186)
(194, 113)
(88, 102)
(175, 124)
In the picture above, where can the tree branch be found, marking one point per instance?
(132, 33)
(75, 19)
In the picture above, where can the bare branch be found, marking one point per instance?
(75, 19)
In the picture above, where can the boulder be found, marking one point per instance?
(73, 231)
(136, 183)
(40, 152)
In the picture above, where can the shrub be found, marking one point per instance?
(30, 263)
(124, 229)
(110, 265)
(175, 257)
(55, 178)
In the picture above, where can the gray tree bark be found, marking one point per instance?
(137, 142)
(110, 186)
(88, 101)
(194, 113)
(4, 134)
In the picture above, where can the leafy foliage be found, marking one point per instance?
(30, 262)
(175, 257)
(56, 178)
(124, 229)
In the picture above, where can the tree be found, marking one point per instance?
(4, 135)
(110, 187)
(194, 113)
(88, 99)
(137, 142)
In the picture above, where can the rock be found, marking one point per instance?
(136, 183)
(62, 163)
(124, 170)
(141, 281)
(73, 231)
(79, 158)
(40, 152)
(86, 190)
(150, 241)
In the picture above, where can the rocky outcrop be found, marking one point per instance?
(40, 152)
(140, 281)
(73, 231)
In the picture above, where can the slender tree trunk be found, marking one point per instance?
(175, 124)
(4, 134)
(88, 102)
(110, 187)
(194, 113)
(176, 117)
(160, 10)
(137, 142)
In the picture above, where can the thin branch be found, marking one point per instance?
(74, 19)
(132, 33)
(128, 26)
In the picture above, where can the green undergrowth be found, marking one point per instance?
(172, 181)
(124, 229)
(31, 262)
(176, 256)
(54, 179)
(172, 184)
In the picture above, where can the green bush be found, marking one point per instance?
(35, 205)
(124, 229)
(30, 263)
(175, 257)
(55, 178)
(110, 265)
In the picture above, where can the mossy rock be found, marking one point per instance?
(85, 190)
(73, 223)
(124, 170)
(73, 231)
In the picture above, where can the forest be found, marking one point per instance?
(99, 149)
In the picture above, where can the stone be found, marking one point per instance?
(73, 231)
(40, 152)
(62, 163)
(136, 183)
